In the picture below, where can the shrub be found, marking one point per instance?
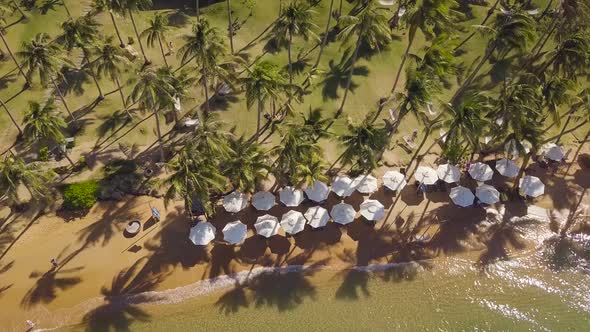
(81, 195)
(44, 154)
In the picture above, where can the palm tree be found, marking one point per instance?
(129, 7)
(512, 30)
(265, 81)
(43, 57)
(15, 172)
(109, 62)
(193, 176)
(44, 122)
(181, 81)
(205, 45)
(230, 26)
(555, 93)
(157, 32)
(110, 6)
(315, 125)
(432, 17)
(581, 108)
(246, 165)
(313, 169)
(20, 131)
(82, 32)
(152, 93)
(570, 57)
(296, 19)
(211, 138)
(363, 144)
(325, 36)
(3, 11)
(370, 26)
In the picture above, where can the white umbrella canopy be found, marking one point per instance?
(531, 186)
(291, 197)
(481, 172)
(462, 196)
(317, 216)
(235, 232)
(365, 184)
(267, 225)
(202, 233)
(235, 202)
(342, 186)
(426, 175)
(448, 173)
(343, 213)
(263, 200)
(372, 210)
(487, 194)
(554, 152)
(507, 168)
(394, 180)
(512, 149)
(318, 191)
(293, 222)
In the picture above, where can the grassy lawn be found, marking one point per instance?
(375, 82)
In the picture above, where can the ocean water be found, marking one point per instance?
(542, 289)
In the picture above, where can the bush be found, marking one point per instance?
(44, 154)
(81, 195)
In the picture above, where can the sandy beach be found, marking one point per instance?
(95, 260)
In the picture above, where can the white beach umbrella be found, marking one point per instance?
(487, 194)
(293, 222)
(343, 213)
(372, 210)
(365, 184)
(263, 200)
(342, 186)
(235, 202)
(291, 197)
(235, 232)
(481, 172)
(531, 186)
(462, 196)
(318, 191)
(426, 175)
(507, 168)
(394, 180)
(512, 149)
(202, 233)
(554, 152)
(267, 225)
(317, 216)
(448, 173)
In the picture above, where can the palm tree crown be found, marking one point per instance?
(42, 57)
(14, 172)
(43, 122)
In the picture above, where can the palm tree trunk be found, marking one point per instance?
(162, 50)
(280, 7)
(525, 163)
(571, 130)
(206, 90)
(289, 57)
(146, 60)
(121, 42)
(325, 37)
(404, 58)
(230, 27)
(63, 100)
(122, 97)
(197, 9)
(20, 70)
(471, 35)
(11, 118)
(259, 116)
(20, 11)
(158, 130)
(69, 159)
(349, 81)
(339, 9)
(92, 73)
(565, 125)
(470, 78)
(66, 8)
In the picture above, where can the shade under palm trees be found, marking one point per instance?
(15, 172)
(205, 45)
(156, 32)
(296, 19)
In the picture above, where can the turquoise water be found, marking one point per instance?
(524, 293)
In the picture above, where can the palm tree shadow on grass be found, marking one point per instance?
(337, 75)
(73, 82)
(8, 79)
(49, 5)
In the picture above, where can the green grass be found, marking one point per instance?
(381, 69)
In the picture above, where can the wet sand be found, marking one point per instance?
(97, 261)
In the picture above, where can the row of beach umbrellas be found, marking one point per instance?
(291, 222)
